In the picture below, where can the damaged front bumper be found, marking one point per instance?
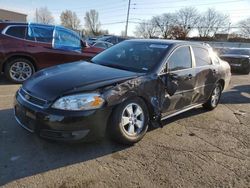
(61, 125)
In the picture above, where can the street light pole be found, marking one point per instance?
(126, 28)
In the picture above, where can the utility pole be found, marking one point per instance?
(36, 16)
(126, 28)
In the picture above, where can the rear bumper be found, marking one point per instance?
(58, 125)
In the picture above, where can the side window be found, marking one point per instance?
(66, 40)
(40, 33)
(17, 31)
(180, 59)
(202, 57)
(214, 57)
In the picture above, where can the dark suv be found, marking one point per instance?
(26, 48)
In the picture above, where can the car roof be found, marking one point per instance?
(172, 42)
(239, 48)
(29, 23)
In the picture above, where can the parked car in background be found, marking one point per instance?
(122, 90)
(111, 39)
(220, 50)
(102, 44)
(26, 48)
(238, 59)
(91, 40)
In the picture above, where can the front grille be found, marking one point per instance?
(32, 99)
(232, 60)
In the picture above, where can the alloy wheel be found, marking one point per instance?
(20, 71)
(132, 120)
(215, 96)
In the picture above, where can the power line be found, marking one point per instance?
(170, 7)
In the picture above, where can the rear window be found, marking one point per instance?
(202, 57)
(17, 31)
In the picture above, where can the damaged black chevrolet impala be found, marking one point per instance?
(122, 90)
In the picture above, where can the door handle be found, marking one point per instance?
(214, 71)
(189, 77)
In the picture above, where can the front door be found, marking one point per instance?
(179, 70)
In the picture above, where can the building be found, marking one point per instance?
(12, 16)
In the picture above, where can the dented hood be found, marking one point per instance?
(54, 82)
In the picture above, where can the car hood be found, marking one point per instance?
(57, 81)
(234, 56)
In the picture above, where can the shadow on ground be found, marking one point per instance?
(23, 154)
(4, 80)
(236, 95)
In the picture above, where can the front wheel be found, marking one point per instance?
(214, 99)
(129, 121)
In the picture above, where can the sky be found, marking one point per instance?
(112, 13)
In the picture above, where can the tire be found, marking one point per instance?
(133, 128)
(18, 70)
(214, 99)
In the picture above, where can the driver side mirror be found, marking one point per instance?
(84, 44)
(171, 83)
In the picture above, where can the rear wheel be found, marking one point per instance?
(214, 99)
(129, 121)
(18, 70)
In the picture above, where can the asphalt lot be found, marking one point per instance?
(195, 149)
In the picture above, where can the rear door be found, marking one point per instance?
(206, 74)
(180, 70)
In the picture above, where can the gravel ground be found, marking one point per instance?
(195, 149)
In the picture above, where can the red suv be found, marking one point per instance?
(26, 48)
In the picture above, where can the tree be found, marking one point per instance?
(146, 29)
(44, 16)
(70, 20)
(187, 18)
(211, 22)
(164, 23)
(92, 22)
(245, 27)
(177, 32)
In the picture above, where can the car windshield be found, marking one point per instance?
(238, 51)
(132, 56)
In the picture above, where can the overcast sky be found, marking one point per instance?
(112, 13)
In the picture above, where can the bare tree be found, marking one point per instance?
(92, 22)
(146, 29)
(187, 18)
(70, 20)
(43, 15)
(245, 27)
(212, 22)
(177, 32)
(164, 24)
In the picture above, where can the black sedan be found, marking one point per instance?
(122, 91)
(238, 59)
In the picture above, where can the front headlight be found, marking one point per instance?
(78, 102)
